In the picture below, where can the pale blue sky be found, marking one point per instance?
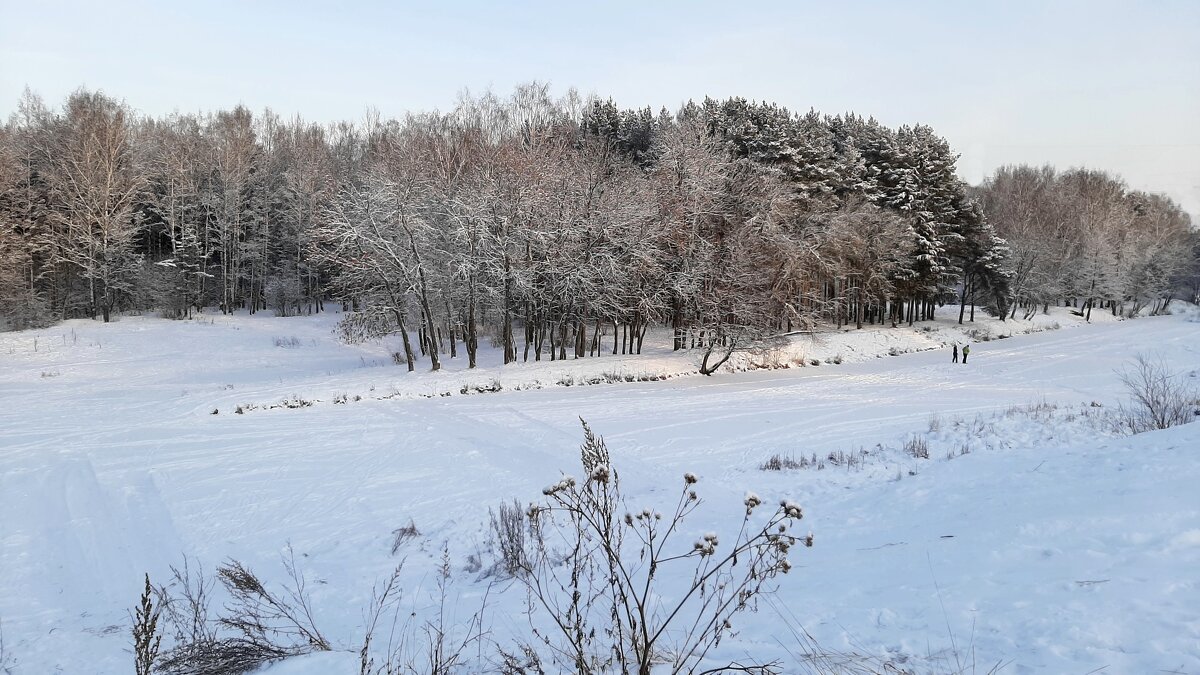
(1110, 85)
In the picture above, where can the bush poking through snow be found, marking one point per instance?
(147, 638)
(267, 625)
(265, 616)
(185, 605)
(1158, 399)
(917, 447)
(438, 646)
(383, 598)
(778, 462)
(403, 534)
(524, 660)
(223, 656)
(602, 584)
(260, 625)
(512, 536)
(1041, 411)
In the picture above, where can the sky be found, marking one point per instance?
(1106, 85)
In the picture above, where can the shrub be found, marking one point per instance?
(778, 462)
(980, 334)
(294, 401)
(185, 603)
(222, 656)
(269, 617)
(851, 460)
(403, 534)
(284, 295)
(917, 447)
(1158, 399)
(604, 591)
(513, 535)
(147, 638)
(259, 624)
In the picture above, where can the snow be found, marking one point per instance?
(1033, 535)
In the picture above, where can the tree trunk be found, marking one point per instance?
(707, 368)
(528, 337)
(471, 339)
(858, 305)
(677, 342)
(510, 352)
(962, 298)
(408, 351)
(973, 301)
(430, 339)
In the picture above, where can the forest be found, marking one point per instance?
(557, 227)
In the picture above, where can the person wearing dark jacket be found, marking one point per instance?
(955, 353)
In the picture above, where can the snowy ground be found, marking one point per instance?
(1051, 545)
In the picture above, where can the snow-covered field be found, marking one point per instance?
(1032, 536)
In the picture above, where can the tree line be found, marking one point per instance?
(1083, 238)
(555, 227)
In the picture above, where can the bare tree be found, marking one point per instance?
(95, 180)
(560, 220)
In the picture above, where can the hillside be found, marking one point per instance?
(1033, 535)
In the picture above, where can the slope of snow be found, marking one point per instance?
(1052, 545)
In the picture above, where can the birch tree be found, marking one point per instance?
(94, 179)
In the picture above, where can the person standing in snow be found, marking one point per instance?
(966, 350)
(955, 353)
